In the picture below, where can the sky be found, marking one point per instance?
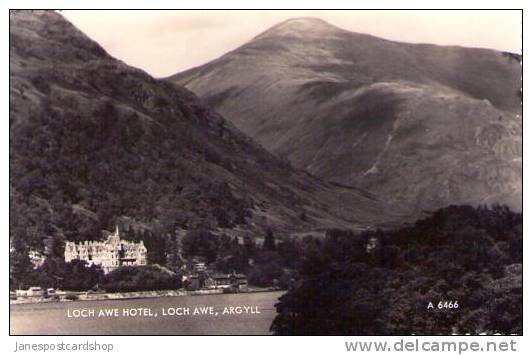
(167, 42)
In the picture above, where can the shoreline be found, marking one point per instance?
(104, 296)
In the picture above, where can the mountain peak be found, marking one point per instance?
(299, 27)
(302, 21)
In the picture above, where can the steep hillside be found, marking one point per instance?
(418, 125)
(95, 142)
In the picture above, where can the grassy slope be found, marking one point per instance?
(420, 125)
(93, 141)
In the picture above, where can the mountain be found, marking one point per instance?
(418, 125)
(94, 142)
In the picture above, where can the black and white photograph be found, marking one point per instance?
(265, 172)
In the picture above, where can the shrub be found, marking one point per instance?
(140, 278)
(72, 297)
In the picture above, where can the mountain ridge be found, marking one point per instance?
(294, 94)
(95, 142)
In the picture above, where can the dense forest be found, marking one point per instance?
(383, 282)
(270, 263)
(458, 270)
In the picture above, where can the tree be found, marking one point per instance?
(200, 242)
(156, 246)
(140, 278)
(173, 258)
(289, 252)
(80, 277)
(269, 241)
(250, 248)
(21, 271)
(507, 302)
(265, 274)
(459, 255)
